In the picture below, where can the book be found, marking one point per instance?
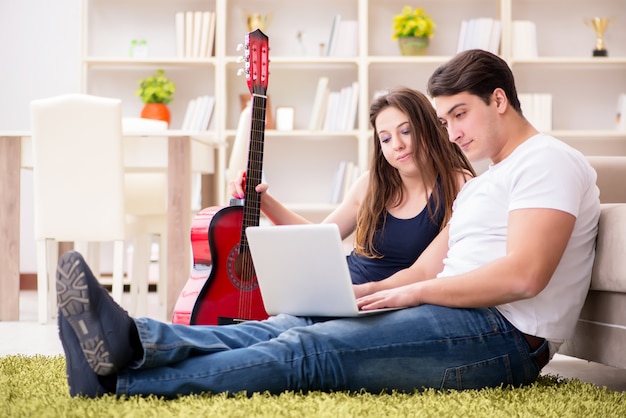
(345, 43)
(332, 109)
(348, 179)
(191, 108)
(338, 180)
(319, 105)
(204, 33)
(208, 52)
(197, 29)
(334, 35)
(352, 107)
(198, 114)
(188, 34)
(537, 109)
(343, 179)
(180, 34)
(480, 33)
(207, 112)
(345, 94)
(494, 38)
(523, 39)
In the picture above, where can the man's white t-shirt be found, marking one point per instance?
(542, 172)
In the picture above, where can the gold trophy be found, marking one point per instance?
(256, 20)
(599, 24)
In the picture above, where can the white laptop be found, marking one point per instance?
(302, 270)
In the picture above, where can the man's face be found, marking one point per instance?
(471, 124)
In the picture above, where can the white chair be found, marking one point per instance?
(79, 188)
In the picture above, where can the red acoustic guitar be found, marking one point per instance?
(223, 288)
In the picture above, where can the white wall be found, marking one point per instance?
(39, 57)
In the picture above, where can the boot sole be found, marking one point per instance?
(74, 304)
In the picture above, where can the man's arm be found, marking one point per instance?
(426, 267)
(535, 244)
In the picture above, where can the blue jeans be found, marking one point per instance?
(422, 347)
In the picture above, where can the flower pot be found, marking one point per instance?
(158, 111)
(413, 45)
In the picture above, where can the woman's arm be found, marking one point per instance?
(274, 210)
(344, 215)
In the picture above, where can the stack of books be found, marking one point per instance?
(524, 39)
(198, 114)
(343, 38)
(537, 108)
(480, 33)
(195, 34)
(334, 110)
(344, 177)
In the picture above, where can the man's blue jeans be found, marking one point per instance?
(422, 347)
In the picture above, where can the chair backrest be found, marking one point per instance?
(611, 172)
(78, 168)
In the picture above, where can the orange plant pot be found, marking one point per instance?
(158, 111)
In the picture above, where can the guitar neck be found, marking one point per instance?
(254, 173)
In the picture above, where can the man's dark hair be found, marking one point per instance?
(477, 72)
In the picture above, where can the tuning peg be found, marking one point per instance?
(241, 59)
(240, 71)
(239, 47)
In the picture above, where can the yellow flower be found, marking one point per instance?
(413, 22)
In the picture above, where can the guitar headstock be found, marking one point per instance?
(257, 62)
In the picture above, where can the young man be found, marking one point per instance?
(487, 303)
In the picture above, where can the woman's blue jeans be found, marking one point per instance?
(422, 347)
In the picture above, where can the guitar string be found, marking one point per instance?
(252, 207)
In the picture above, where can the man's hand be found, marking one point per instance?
(399, 297)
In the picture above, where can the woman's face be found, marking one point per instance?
(396, 140)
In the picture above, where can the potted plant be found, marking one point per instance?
(156, 91)
(413, 29)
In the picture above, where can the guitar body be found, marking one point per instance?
(219, 291)
(222, 288)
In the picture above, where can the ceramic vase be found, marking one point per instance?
(158, 111)
(411, 46)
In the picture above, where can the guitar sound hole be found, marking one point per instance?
(222, 320)
(241, 270)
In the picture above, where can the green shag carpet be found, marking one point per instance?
(36, 387)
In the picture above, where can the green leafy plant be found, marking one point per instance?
(156, 89)
(413, 23)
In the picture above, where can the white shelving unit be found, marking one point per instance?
(300, 164)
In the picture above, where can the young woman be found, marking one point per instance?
(415, 174)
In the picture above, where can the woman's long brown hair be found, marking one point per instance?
(434, 155)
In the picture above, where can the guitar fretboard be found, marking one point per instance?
(254, 173)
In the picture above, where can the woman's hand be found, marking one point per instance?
(237, 187)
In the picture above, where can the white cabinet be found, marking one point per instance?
(300, 164)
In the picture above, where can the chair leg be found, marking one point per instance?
(118, 271)
(91, 253)
(162, 283)
(139, 275)
(47, 256)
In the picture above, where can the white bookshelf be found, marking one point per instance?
(299, 164)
